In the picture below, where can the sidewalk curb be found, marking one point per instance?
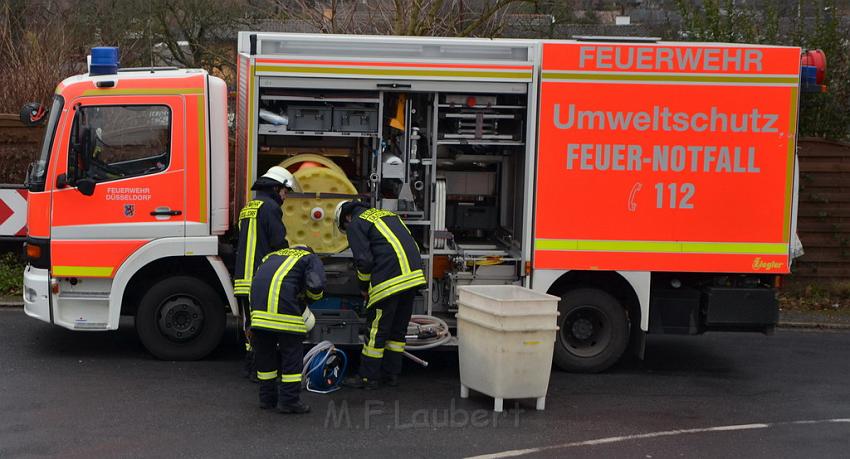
(820, 325)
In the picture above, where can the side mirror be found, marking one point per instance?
(86, 186)
(33, 114)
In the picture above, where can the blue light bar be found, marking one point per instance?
(104, 61)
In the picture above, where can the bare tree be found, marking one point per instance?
(36, 53)
(198, 33)
(459, 18)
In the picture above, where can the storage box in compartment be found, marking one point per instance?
(355, 118)
(271, 129)
(471, 217)
(309, 117)
(469, 183)
(341, 327)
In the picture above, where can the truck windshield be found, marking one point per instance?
(38, 170)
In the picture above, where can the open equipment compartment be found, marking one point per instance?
(481, 155)
(445, 149)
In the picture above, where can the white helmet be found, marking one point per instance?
(338, 214)
(283, 176)
(309, 319)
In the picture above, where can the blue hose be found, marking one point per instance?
(314, 371)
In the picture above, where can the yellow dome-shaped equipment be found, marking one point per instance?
(310, 221)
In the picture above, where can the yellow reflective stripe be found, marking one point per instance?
(374, 330)
(395, 289)
(374, 352)
(248, 347)
(395, 346)
(285, 318)
(250, 249)
(261, 323)
(729, 79)
(396, 280)
(83, 271)
(242, 286)
(314, 296)
(574, 245)
(396, 244)
(364, 277)
(290, 378)
(397, 72)
(249, 212)
(266, 375)
(202, 159)
(248, 153)
(789, 171)
(277, 282)
(143, 91)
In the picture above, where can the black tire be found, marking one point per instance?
(180, 318)
(594, 331)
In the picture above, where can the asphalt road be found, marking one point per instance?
(65, 394)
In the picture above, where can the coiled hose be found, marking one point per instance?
(314, 361)
(426, 332)
(423, 332)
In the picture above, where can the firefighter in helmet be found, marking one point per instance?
(261, 231)
(284, 284)
(389, 268)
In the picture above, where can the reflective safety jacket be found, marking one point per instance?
(261, 231)
(286, 281)
(385, 254)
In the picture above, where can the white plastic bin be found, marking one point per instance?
(506, 337)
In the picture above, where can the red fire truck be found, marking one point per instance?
(651, 185)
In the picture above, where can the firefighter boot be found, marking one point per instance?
(268, 394)
(294, 408)
(390, 380)
(288, 400)
(359, 382)
(249, 370)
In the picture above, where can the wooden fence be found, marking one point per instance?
(823, 222)
(18, 147)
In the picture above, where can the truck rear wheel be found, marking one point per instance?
(180, 318)
(594, 331)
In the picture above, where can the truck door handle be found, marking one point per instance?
(172, 213)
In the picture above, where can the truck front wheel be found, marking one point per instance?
(594, 331)
(180, 318)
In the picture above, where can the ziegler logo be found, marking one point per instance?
(129, 210)
(761, 265)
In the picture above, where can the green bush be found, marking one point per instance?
(11, 274)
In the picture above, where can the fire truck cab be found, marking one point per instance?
(126, 206)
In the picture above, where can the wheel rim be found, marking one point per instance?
(181, 318)
(586, 331)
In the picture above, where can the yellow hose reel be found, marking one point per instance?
(310, 221)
